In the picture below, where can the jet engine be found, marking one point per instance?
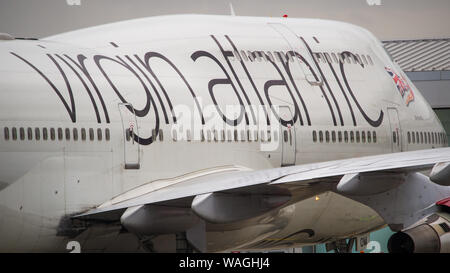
(430, 235)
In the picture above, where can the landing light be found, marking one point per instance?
(317, 198)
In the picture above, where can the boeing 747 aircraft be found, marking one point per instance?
(222, 132)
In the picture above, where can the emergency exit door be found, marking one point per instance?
(287, 137)
(396, 131)
(130, 131)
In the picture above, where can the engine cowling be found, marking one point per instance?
(430, 235)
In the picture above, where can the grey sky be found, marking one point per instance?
(393, 19)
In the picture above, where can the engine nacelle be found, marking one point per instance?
(152, 219)
(430, 235)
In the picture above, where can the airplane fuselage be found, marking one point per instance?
(91, 114)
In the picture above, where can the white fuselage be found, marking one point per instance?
(78, 84)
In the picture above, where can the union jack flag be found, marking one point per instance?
(402, 85)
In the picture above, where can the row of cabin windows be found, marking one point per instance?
(54, 134)
(224, 135)
(278, 56)
(427, 138)
(341, 58)
(345, 136)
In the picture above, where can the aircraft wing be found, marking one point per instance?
(223, 193)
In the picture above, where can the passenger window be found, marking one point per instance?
(289, 57)
(363, 137)
(263, 136)
(333, 136)
(30, 133)
(341, 57)
(45, 133)
(255, 134)
(357, 137)
(161, 135)
(421, 137)
(269, 54)
(108, 134)
(202, 135)
(174, 135)
(346, 136)
(429, 137)
(409, 137)
(249, 137)
(250, 56)
(67, 134)
(352, 136)
(37, 134)
(83, 134)
(285, 136)
(229, 136)
(417, 138)
(347, 58)
(22, 133)
(282, 57)
(242, 135)
(236, 54)
(394, 137)
(320, 136)
(314, 136)
(223, 135)
(327, 136)
(370, 60)
(317, 57)
(269, 136)
(327, 57)
(52, 134)
(334, 57)
(277, 56)
(369, 137)
(243, 55)
(75, 134)
(60, 134)
(340, 136)
(14, 133)
(6, 133)
(322, 57)
(257, 56)
(263, 55)
(364, 59)
(91, 134)
(188, 135)
(99, 134)
(235, 135)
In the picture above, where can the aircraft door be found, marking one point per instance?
(287, 137)
(130, 130)
(395, 132)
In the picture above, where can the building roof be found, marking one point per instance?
(420, 55)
